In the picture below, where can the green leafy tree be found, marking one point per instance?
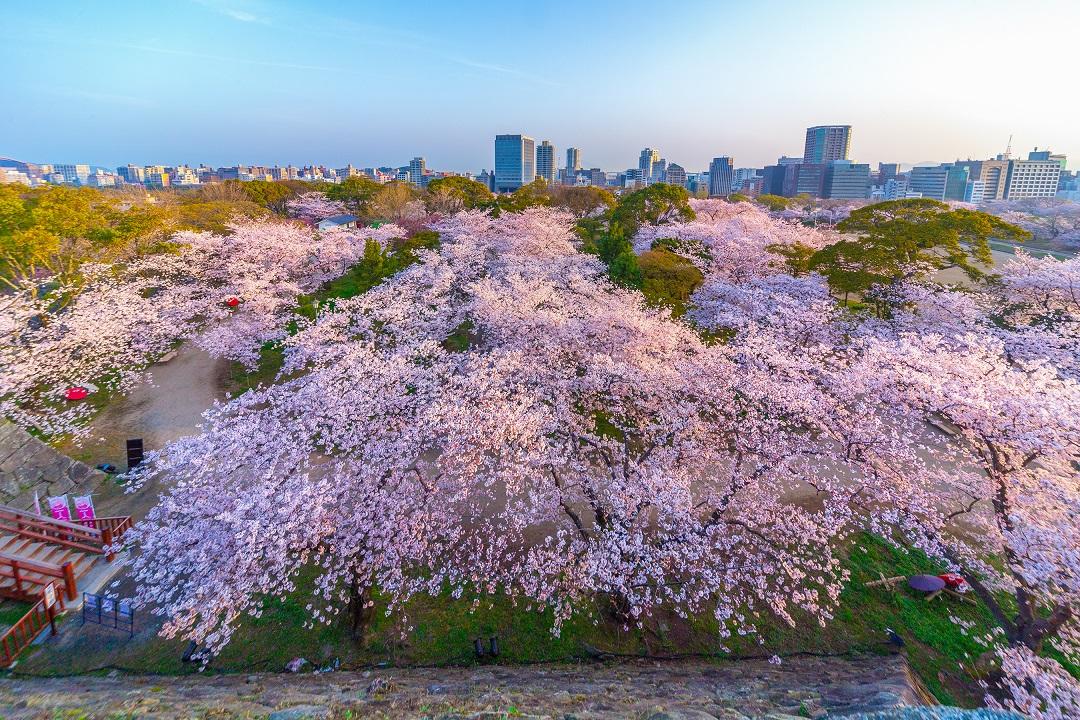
(272, 195)
(582, 201)
(774, 203)
(534, 194)
(652, 204)
(892, 241)
(668, 279)
(470, 193)
(355, 192)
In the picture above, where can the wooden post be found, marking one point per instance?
(69, 581)
(106, 539)
(17, 575)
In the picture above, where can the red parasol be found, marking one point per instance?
(954, 581)
(76, 393)
(233, 302)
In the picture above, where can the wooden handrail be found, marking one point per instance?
(17, 569)
(10, 514)
(22, 633)
(90, 536)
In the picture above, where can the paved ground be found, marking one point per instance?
(802, 686)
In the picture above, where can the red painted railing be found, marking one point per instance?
(22, 633)
(89, 536)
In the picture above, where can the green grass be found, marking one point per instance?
(11, 611)
(440, 631)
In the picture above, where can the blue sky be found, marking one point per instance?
(270, 81)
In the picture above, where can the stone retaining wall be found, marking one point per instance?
(28, 465)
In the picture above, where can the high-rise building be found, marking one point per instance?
(975, 192)
(573, 160)
(845, 180)
(132, 174)
(810, 179)
(1032, 179)
(780, 179)
(659, 171)
(898, 189)
(645, 162)
(825, 143)
(515, 162)
(417, 170)
(545, 162)
(721, 172)
(929, 180)
(992, 174)
(886, 172)
(597, 177)
(956, 181)
(676, 175)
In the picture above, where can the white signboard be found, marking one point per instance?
(50, 595)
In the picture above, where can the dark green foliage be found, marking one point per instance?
(668, 279)
(652, 204)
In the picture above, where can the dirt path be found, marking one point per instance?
(167, 407)
(688, 690)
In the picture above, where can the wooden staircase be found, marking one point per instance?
(36, 551)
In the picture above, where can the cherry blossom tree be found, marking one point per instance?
(955, 419)
(229, 293)
(1054, 221)
(497, 418)
(312, 207)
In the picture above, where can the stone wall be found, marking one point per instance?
(28, 465)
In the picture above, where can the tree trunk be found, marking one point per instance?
(359, 612)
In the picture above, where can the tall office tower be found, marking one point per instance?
(721, 172)
(417, 166)
(545, 162)
(515, 162)
(676, 175)
(645, 162)
(929, 180)
(825, 143)
(659, 170)
(573, 160)
(845, 180)
(1032, 179)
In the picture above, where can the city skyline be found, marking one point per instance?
(289, 83)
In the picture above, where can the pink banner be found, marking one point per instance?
(84, 508)
(59, 508)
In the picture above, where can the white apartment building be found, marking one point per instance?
(1032, 179)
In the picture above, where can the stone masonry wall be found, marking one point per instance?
(27, 464)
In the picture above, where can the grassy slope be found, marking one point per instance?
(439, 631)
